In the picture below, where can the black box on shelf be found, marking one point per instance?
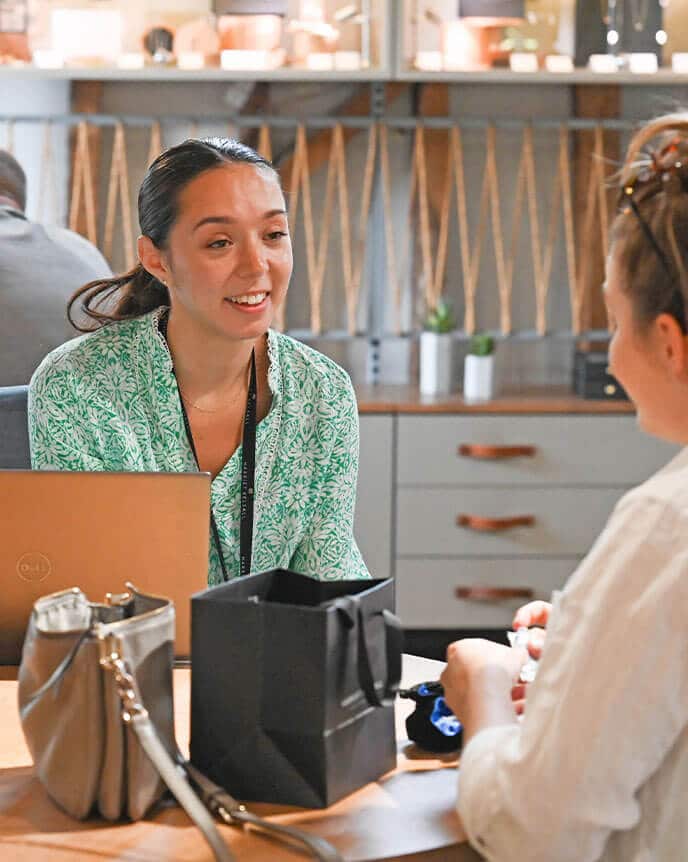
(591, 378)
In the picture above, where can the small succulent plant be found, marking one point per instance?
(481, 344)
(441, 318)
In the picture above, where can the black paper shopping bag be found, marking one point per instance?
(292, 686)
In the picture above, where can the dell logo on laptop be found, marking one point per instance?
(33, 567)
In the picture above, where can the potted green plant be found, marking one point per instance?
(478, 370)
(436, 350)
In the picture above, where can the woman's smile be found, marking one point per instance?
(249, 303)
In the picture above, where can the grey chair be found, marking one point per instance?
(14, 432)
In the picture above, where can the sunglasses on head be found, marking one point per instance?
(627, 203)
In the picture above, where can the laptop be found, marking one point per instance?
(96, 531)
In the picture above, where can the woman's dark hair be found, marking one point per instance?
(137, 292)
(650, 232)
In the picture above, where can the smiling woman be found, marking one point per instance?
(183, 372)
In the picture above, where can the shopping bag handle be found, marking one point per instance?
(394, 643)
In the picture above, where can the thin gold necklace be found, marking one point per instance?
(191, 404)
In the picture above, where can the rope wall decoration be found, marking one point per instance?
(470, 260)
(265, 142)
(490, 210)
(9, 137)
(390, 251)
(596, 215)
(155, 146)
(575, 287)
(47, 186)
(353, 250)
(353, 269)
(465, 214)
(315, 261)
(119, 183)
(82, 183)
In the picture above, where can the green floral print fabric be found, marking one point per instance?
(109, 401)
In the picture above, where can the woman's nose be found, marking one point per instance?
(252, 260)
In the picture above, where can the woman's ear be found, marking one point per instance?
(673, 344)
(152, 259)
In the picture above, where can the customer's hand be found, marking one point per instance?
(533, 614)
(530, 615)
(478, 679)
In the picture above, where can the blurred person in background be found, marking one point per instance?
(40, 268)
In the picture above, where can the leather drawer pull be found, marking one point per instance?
(495, 453)
(494, 594)
(494, 525)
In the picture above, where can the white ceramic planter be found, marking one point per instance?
(435, 363)
(478, 378)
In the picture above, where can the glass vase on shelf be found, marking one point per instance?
(546, 31)
(482, 34)
(251, 33)
(58, 28)
(635, 33)
(14, 27)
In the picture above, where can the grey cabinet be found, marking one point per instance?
(374, 500)
(502, 508)
(438, 495)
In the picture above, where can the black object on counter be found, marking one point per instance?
(591, 378)
(432, 725)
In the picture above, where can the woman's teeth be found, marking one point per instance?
(252, 299)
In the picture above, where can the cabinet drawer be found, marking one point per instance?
(568, 450)
(426, 590)
(566, 521)
(373, 521)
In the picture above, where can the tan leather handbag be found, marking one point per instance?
(95, 702)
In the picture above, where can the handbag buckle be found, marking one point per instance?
(117, 600)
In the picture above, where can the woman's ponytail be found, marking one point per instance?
(107, 300)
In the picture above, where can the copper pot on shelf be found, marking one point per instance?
(474, 43)
(250, 25)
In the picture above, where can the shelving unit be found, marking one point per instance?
(661, 78)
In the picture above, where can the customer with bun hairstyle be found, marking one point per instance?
(598, 766)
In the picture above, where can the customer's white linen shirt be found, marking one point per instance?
(598, 768)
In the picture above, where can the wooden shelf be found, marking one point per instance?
(537, 400)
(664, 77)
(174, 75)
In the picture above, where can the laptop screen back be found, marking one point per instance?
(96, 531)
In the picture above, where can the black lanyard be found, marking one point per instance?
(248, 471)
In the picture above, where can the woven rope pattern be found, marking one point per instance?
(430, 250)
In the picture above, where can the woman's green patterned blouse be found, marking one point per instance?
(109, 401)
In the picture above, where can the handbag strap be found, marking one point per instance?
(211, 799)
(178, 785)
(228, 809)
(136, 716)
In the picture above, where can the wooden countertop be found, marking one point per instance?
(405, 815)
(538, 400)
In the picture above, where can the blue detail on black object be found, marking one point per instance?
(432, 725)
(444, 719)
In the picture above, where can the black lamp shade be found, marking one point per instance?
(250, 7)
(492, 8)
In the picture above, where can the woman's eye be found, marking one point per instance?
(277, 234)
(219, 243)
